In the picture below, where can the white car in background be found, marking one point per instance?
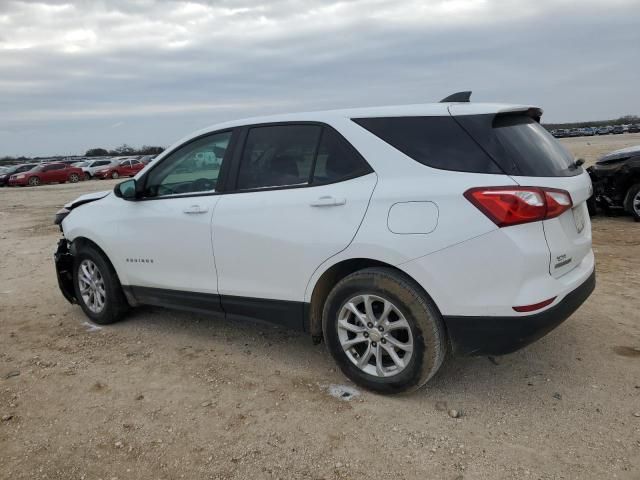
(94, 165)
(396, 234)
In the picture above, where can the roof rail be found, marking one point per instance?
(457, 97)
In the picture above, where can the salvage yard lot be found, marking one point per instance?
(175, 395)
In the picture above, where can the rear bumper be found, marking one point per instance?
(64, 270)
(502, 335)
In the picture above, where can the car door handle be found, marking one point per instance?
(328, 201)
(195, 209)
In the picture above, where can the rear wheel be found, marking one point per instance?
(34, 181)
(115, 175)
(384, 331)
(97, 287)
(632, 202)
(74, 178)
(87, 176)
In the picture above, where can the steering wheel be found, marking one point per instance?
(203, 184)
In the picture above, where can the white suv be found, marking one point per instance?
(397, 234)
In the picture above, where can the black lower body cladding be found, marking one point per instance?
(64, 270)
(474, 336)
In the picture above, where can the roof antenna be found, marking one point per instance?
(458, 97)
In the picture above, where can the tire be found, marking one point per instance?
(87, 176)
(114, 304)
(74, 178)
(34, 181)
(632, 201)
(115, 175)
(385, 289)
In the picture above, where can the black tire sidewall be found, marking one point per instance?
(631, 194)
(422, 364)
(111, 311)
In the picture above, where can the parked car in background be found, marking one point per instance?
(616, 182)
(588, 131)
(561, 133)
(575, 132)
(146, 159)
(396, 234)
(47, 173)
(635, 128)
(95, 165)
(618, 130)
(603, 131)
(81, 164)
(124, 168)
(14, 169)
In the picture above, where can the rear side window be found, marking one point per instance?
(436, 141)
(278, 155)
(520, 145)
(337, 160)
(295, 155)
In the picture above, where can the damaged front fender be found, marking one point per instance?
(64, 269)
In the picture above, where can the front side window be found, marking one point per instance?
(194, 167)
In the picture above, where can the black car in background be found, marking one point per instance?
(617, 130)
(616, 182)
(635, 128)
(12, 170)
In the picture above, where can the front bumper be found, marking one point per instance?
(64, 270)
(501, 335)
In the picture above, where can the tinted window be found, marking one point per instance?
(337, 159)
(278, 156)
(194, 167)
(437, 142)
(520, 145)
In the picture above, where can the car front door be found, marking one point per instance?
(300, 194)
(165, 235)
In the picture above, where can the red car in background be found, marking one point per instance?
(125, 168)
(47, 173)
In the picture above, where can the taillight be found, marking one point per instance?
(506, 206)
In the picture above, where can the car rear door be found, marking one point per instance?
(299, 194)
(532, 157)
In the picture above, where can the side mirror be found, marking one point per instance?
(126, 190)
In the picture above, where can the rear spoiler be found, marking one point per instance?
(495, 109)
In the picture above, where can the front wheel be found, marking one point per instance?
(632, 201)
(34, 181)
(383, 331)
(74, 178)
(115, 175)
(97, 287)
(87, 176)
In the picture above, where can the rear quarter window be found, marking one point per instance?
(437, 141)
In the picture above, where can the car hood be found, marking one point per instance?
(87, 198)
(618, 154)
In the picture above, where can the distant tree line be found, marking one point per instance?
(124, 149)
(626, 120)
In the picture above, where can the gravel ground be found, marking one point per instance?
(167, 395)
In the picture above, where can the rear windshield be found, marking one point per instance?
(520, 145)
(513, 144)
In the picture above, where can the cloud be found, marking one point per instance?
(69, 70)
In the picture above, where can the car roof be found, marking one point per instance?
(426, 109)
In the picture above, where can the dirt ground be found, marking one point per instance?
(168, 395)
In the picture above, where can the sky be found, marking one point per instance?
(76, 74)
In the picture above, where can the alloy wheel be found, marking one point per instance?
(115, 175)
(91, 284)
(375, 335)
(635, 203)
